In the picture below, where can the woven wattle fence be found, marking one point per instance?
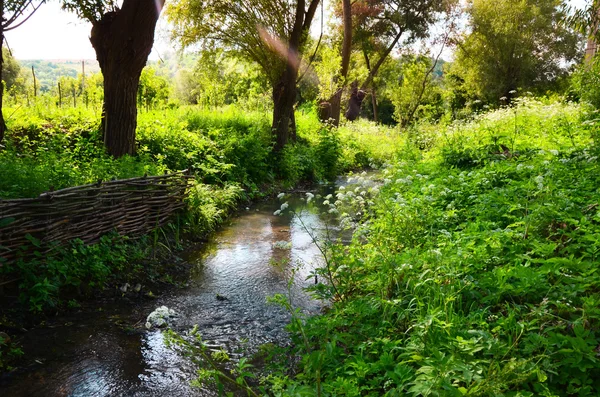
(131, 207)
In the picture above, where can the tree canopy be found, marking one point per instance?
(514, 44)
(273, 34)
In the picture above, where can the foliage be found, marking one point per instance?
(48, 73)
(514, 45)
(10, 69)
(477, 281)
(77, 268)
(327, 71)
(228, 152)
(381, 25)
(219, 78)
(405, 95)
(9, 352)
(209, 206)
(153, 89)
(234, 28)
(585, 82)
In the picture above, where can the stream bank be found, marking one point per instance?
(109, 352)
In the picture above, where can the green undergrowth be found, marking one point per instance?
(228, 152)
(475, 271)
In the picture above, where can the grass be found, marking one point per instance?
(229, 153)
(475, 270)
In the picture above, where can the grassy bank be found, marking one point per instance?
(475, 272)
(229, 153)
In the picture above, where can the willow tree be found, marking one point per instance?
(14, 13)
(122, 38)
(334, 104)
(514, 44)
(272, 33)
(380, 26)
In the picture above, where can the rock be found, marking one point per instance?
(221, 297)
(124, 287)
(138, 287)
(160, 317)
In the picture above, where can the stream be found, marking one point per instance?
(89, 354)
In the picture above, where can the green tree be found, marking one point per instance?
(514, 44)
(331, 108)
(153, 89)
(272, 33)
(410, 98)
(186, 86)
(122, 38)
(382, 25)
(10, 70)
(13, 13)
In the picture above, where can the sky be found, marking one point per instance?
(52, 33)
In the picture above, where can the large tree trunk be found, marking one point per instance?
(336, 107)
(284, 97)
(2, 122)
(336, 99)
(123, 40)
(284, 91)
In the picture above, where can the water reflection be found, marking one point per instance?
(97, 358)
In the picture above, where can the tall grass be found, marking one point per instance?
(475, 270)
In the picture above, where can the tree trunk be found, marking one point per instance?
(336, 99)
(2, 122)
(336, 107)
(375, 69)
(374, 102)
(284, 91)
(284, 96)
(123, 40)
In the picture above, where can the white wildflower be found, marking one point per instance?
(280, 195)
(277, 213)
(284, 206)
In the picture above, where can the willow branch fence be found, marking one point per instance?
(131, 207)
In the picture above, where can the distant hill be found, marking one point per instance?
(47, 72)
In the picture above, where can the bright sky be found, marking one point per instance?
(52, 33)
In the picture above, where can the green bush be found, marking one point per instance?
(328, 152)
(469, 277)
(585, 82)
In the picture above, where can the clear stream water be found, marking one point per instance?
(89, 354)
